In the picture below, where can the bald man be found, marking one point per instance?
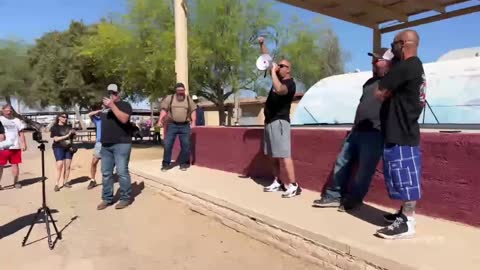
(277, 127)
(402, 92)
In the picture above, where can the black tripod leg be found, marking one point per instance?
(50, 243)
(31, 227)
(59, 234)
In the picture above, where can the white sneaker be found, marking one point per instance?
(275, 186)
(292, 191)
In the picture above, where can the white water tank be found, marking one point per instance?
(453, 92)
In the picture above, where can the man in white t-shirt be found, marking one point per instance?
(14, 133)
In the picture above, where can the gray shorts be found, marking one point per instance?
(97, 149)
(276, 139)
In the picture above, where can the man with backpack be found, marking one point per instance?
(178, 116)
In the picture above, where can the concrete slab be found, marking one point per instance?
(439, 244)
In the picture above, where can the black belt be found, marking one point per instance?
(181, 123)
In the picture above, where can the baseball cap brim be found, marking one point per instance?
(385, 54)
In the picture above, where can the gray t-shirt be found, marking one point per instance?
(367, 117)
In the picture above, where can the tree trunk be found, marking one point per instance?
(237, 111)
(221, 114)
(79, 117)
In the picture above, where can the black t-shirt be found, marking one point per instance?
(2, 129)
(367, 117)
(59, 131)
(399, 114)
(114, 131)
(278, 106)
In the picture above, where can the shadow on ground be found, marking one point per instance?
(79, 180)
(137, 188)
(19, 223)
(369, 214)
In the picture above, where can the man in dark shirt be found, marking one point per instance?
(277, 126)
(364, 144)
(402, 91)
(116, 139)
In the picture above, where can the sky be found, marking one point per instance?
(29, 19)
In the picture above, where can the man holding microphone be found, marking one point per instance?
(277, 139)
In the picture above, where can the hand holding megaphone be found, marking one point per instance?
(264, 62)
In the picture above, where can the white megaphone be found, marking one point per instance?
(264, 62)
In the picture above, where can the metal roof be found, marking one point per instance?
(372, 13)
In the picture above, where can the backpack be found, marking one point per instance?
(188, 109)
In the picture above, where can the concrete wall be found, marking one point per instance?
(450, 172)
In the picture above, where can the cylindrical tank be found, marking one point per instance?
(453, 93)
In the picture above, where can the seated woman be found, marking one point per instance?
(62, 135)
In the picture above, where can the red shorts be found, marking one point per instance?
(12, 156)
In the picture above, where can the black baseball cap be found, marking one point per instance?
(179, 85)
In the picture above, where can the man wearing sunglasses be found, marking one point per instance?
(277, 141)
(402, 92)
(116, 139)
(363, 145)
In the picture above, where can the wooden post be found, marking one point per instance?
(181, 43)
(377, 39)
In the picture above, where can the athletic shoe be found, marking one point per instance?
(292, 191)
(390, 218)
(349, 205)
(327, 202)
(275, 186)
(401, 228)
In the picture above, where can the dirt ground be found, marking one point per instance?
(153, 233)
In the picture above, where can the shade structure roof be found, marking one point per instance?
(393, 14)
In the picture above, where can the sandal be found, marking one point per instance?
(56, 189)
(67, 185)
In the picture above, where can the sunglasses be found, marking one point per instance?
(283, 66)
(112, 93)
(63, 116)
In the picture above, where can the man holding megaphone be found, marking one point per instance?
(277, 125)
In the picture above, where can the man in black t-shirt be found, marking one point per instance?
(402, 92)
(363, 145)
(277, 126)
(116, 139)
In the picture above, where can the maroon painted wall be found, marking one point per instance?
(451, 165)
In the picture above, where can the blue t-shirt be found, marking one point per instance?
(98, 125)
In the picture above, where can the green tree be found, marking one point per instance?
(15, 74)
(138, 50)
(313, 50)
(223, 47)
(61, 76)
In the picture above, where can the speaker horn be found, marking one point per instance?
(264, 62)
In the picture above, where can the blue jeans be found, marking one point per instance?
(183, 132)
(116, 155)
(367, 149)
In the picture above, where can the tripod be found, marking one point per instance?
(44, 211)
(425, 111)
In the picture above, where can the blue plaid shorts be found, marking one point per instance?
(402, 169)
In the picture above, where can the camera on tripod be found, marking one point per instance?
(37, 136)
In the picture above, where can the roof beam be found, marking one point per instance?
(433, 5)
(327, 9)
(448, 15)
(395, 14)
